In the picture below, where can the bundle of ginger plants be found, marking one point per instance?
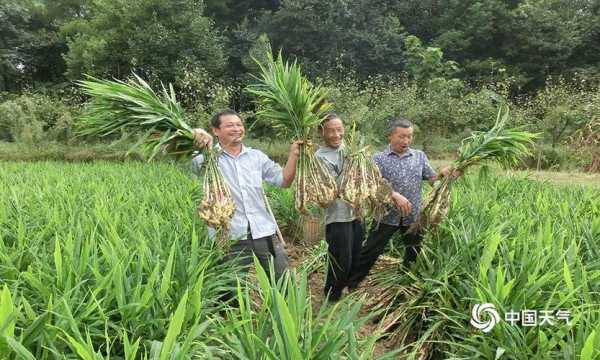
(295, 108)
(158, 121)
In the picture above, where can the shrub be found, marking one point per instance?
(33, 118)
(560, 109)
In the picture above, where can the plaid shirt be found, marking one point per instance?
(405, 172)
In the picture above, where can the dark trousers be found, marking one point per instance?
(344, 240)
(376, 243)
(266, 249)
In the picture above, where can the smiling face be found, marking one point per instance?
(333, 132)
(230, 131)
(400, 139)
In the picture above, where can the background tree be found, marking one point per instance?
(528, 39)
(230, 13)
(32, 42)
(356, 34)
(13, 17)
(545, 35)
(156, 38)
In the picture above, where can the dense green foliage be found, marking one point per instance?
(516, 244)
(41, 41)
(445, 65)
(155, 38)
(105, 259)
(34, 118)
(111, 261)
(89, 257)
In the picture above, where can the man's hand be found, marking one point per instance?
(445, 171)
(295, 148)
(289, 171)
(401, 203)
(202, 138)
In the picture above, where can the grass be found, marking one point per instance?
(560, 178)
(285, 326)
(76, 152)
(108, 260)
(516, 244)
(97, 256)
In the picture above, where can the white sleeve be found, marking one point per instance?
(271, 171)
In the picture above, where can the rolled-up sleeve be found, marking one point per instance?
(271, 171)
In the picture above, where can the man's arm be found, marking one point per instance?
(274, 174)
(401, 203)
(201, 139)
(428, 173)
(433, 179)
(289, 171)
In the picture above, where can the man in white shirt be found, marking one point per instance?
(252, 228)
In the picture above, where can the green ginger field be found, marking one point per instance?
(110, 261)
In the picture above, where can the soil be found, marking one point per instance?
(297, 253)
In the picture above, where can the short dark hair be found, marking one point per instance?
(215, 121)
(398, 123)
(328, 117)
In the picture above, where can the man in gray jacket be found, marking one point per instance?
(343, 230)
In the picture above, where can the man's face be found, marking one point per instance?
(333, 133)
(231, 130)
(400, 139)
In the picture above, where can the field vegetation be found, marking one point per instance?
(109, 260)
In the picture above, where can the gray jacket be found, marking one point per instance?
(339, 211)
